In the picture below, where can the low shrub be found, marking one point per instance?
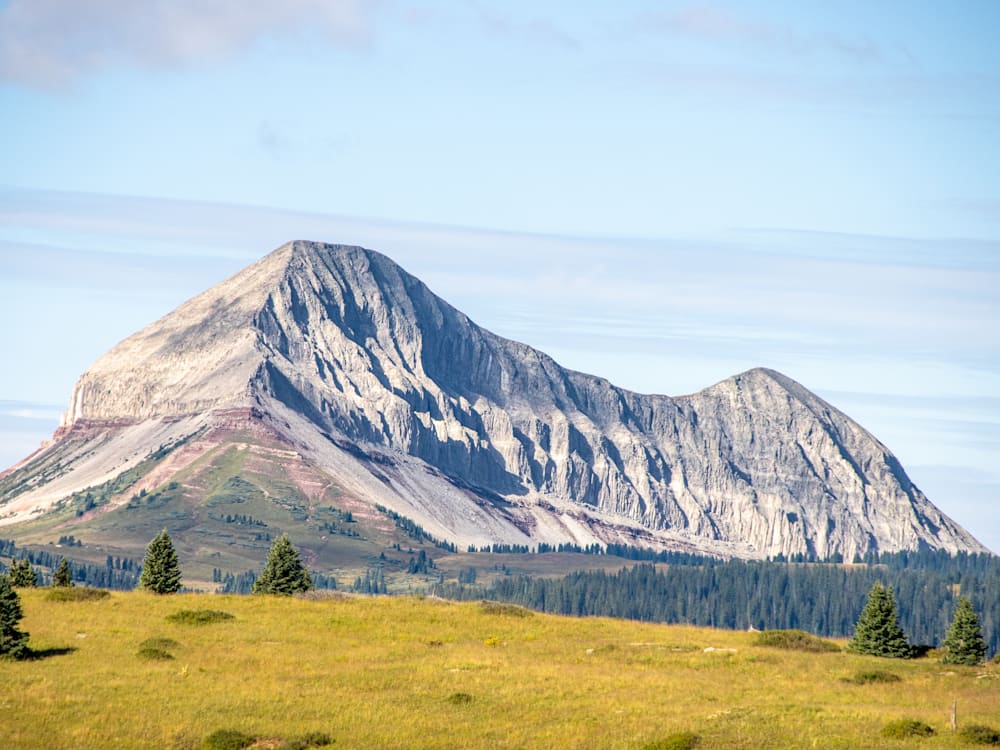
(151, 653)
(499, 608)
(903, 728)
(794, 640)
(977, 734)
(313, 739)
(874, 675)
(459, 699)
(76, 594)
(227, 739)
(678, 741)
(163, 643)
(199, 616)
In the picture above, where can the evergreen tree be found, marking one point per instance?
(283, 573)
(22, 574)
(878, 632)
(160, 572)
(13, 642)
(964, 643)
(62, 575)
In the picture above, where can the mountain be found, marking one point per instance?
(325, 382)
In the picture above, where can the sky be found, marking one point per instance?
(661, 193)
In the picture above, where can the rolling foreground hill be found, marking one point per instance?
(324, 389)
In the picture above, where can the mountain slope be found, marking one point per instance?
(399, 399)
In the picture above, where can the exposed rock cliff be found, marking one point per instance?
(339, 346)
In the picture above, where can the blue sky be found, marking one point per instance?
(663, 193)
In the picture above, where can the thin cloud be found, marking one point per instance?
(51, 43)
(538, 31)
(712, 24)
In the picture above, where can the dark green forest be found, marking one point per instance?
(821, 598)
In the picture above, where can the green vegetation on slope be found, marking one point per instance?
(385, 672)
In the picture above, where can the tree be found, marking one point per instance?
(964, 643)
(877, 631)
(13, 642)
(62, 576)
(22, 574)
(283, 573)
(160, 572)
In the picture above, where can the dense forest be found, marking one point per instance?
(821, 598)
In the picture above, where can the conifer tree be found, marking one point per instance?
(878, 632)
(284, 572)
(13, 642)
(22, 575)
(62, 577)
(161, 573)
(964, 643)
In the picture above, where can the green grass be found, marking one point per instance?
(392, 673)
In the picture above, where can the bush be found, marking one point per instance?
(977, 734)
(903, 728)
(875, 675)
(76, 594)
(151, 653)
(199, 616)
(459, 699)
(163, 643)
(678, 741)
(227, 739)
(499, 608)
(795, 640)
(313, 739)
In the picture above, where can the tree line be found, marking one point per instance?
(824, 599)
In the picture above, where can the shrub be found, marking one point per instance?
(151, 653)
(795, 640)
(903, 728)
(76, 594)
(678, 741)
(977, 734)
(199, 616)
(874, 675)
(164, 643)
(499, 608)
(313, 739)
(227, 739)
(459, 699)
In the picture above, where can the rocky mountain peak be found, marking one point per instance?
(339, 346)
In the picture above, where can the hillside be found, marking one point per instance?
(402, 672)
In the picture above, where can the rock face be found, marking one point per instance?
(405, 401)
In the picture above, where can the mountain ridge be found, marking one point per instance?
(352, 361)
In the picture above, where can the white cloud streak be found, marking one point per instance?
(51, 43)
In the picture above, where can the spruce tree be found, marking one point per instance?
(160, 572)
(878, 632)
(13, 642)
(22, 575)
(283, 573)
(62, 576)
(964, 643)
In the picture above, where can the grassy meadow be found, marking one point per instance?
(403, 672)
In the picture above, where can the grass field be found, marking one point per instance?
(398, 672)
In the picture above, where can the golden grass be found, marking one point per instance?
(384, 673)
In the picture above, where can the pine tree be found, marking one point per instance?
(62, 576)
(160, 572)
(964, 643)
(283, 573)
(22, 574)
(13, 642)
(878, 632)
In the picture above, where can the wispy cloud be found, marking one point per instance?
(535, 30)
(51, 43)
(716, 25)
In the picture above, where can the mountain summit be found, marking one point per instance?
(348, 373)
